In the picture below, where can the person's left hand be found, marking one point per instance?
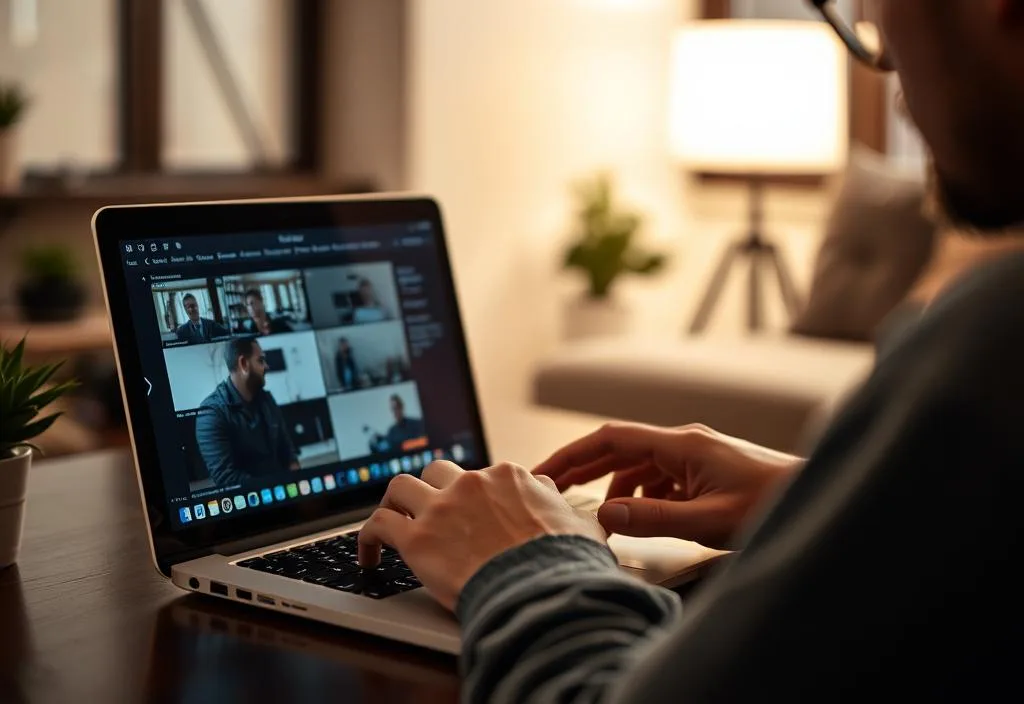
(449, 524)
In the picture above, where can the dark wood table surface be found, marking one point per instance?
(84, 617)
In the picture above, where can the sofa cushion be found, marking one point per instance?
(877, 242)
(763, 389)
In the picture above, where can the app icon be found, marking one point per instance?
(166, 246)
(353, 477)
(396, 466)
(199, 511)
(128, 248)
(239, 502)
(213, 508)
(329, 482)
(458, 453)
(375, 471)
(417, 461)
(279, 493)
(439, 454)
(225, 505)
(184, 514)
(267, 496)
(428, 457)
(304, 487)
(254, 498)
(142, 248)
(364, 474)
(293, 490)
(406, 464)
(317, 484)
(340, 478)
(152, 247)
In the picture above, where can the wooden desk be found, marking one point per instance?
(85, 617)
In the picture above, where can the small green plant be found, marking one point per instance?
(13, 103)
(604, 248)
(49, 264)
(24, 395)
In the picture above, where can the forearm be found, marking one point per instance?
(553, 620)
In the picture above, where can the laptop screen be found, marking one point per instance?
(283, 366)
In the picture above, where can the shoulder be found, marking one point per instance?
(962, 358)
(216, 400)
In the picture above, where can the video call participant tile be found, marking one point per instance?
(267, 303)
(364, 356)
(387, 419)
(191, 312)
(352, 295)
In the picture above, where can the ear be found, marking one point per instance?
(243, 364)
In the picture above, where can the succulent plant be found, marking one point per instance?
(25, 392)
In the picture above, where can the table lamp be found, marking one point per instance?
(757, 99)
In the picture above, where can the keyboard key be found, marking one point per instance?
(333, 563)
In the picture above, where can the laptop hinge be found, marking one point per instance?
(292, 532)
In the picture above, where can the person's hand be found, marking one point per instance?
(696, 484)
(449, 524)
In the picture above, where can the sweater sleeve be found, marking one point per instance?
(555, 620)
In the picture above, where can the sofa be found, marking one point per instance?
(775, 389)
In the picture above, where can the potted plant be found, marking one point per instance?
(604, 249)
(13, 103)
(25, 392)
(50, 290)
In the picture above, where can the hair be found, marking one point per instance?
(188, 296)
(239, 347)
(255, 292)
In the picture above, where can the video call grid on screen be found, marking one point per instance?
(335, 344)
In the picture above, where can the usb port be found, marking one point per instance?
(218, 589)
(299, 608)
(243, 594)
(264, 599)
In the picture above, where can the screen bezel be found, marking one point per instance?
(113, 224)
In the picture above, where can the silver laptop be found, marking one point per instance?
(281, 360)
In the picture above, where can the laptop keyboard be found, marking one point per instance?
(333, 563)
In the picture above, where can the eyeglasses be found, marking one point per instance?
(863, 39)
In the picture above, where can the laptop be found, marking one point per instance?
(280, 361)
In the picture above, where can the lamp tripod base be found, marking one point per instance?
(763, 256)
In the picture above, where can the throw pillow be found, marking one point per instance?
(877, 242)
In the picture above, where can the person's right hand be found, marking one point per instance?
(697, 484)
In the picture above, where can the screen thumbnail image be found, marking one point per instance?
(292, 372)
(240, 454)
(363, 356)
(267, 303)
(386, 419)
(192, 311)
(354, 294)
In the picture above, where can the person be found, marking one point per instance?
(345, 366)
(370, 309)
(884, 563)
(240, 430)
(198, 330)
(401, 431)
(260, 321)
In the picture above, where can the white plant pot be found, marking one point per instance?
(587, 317)
(13, 484)
(10, 168)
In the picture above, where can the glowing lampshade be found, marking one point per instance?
(759, 97)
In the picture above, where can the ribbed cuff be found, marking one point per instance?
(548, 555)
